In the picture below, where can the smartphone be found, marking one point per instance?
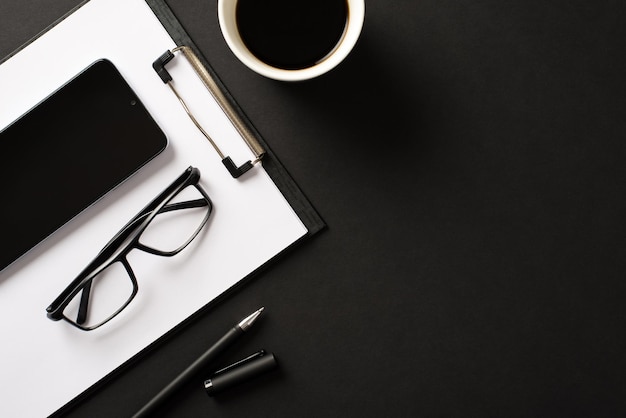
(67, 152)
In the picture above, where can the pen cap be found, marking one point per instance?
(241, 373)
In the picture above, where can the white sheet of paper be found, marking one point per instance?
(251, 222)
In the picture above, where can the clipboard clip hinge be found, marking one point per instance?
(233, 115)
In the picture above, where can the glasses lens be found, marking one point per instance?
(178, 222)
(107, 294)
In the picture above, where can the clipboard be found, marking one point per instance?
(271, 167)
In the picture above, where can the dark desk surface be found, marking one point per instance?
(470, 161)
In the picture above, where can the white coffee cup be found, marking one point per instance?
(226, 10)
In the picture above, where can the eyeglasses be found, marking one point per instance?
(164, 227)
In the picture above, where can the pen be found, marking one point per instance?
(198, 365)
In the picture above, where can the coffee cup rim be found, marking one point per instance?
(356, 17)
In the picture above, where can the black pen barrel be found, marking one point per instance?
(194, 369)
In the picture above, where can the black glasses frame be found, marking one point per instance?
(127, 239)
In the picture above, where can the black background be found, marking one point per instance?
(468, 158)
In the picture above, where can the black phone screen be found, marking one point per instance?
(67, 152)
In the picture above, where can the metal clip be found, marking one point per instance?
(219, 96)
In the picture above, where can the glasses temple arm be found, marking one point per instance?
(81, 317)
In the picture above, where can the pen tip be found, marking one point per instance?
(249, 320)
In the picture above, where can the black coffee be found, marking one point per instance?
(291, 34)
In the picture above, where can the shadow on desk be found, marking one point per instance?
(381, 107)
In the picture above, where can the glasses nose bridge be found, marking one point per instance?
(118, 248)
(125, 240)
